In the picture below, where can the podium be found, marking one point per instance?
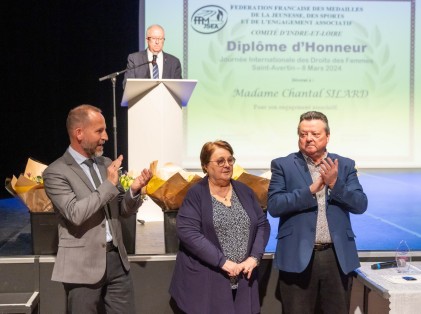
(155, 132)
(155, 120)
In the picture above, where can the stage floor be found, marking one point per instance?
(394, 214)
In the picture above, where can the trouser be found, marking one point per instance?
(113, 294)
(321, 288)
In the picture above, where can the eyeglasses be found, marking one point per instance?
(221, 161)
(159, 39)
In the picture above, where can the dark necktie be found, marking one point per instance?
(155, 70)
(94, 175)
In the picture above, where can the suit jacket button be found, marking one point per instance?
(104, 245)
(103, 225)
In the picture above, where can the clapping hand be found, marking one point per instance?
(141, 181)
(329, 171)
(113, 170)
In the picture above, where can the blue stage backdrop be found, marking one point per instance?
(393, 214)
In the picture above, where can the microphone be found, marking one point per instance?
(113, 75)
(137, 66)
(384, 265)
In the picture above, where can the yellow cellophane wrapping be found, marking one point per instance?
(30, 188)
(169, 185)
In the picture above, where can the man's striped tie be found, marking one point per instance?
(155, 68)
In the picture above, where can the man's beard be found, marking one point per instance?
(91, 150)
(99, 153)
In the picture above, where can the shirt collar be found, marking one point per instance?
(77, 156)
(159, 55)
(310, 161)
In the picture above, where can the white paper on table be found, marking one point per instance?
(412, 272)
(399, 279)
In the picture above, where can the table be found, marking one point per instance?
(386, 292)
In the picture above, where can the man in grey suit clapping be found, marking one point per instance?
(88, 199)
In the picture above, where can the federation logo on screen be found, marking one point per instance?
(209, 19)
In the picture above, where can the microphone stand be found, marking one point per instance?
(113, 78)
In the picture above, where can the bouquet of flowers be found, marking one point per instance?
(126, 179)
(29, 187)
(259, 184)
(169, 185)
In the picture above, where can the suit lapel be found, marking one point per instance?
(100, 161)
(78, 170)
(165, 66)
(144, 59)
(302, 167)
(102, 168)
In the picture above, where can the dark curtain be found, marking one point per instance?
(53, 53)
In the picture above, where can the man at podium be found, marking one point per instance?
(153, 62)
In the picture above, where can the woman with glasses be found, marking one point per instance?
(223, 233)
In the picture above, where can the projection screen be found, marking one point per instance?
(260, 64)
